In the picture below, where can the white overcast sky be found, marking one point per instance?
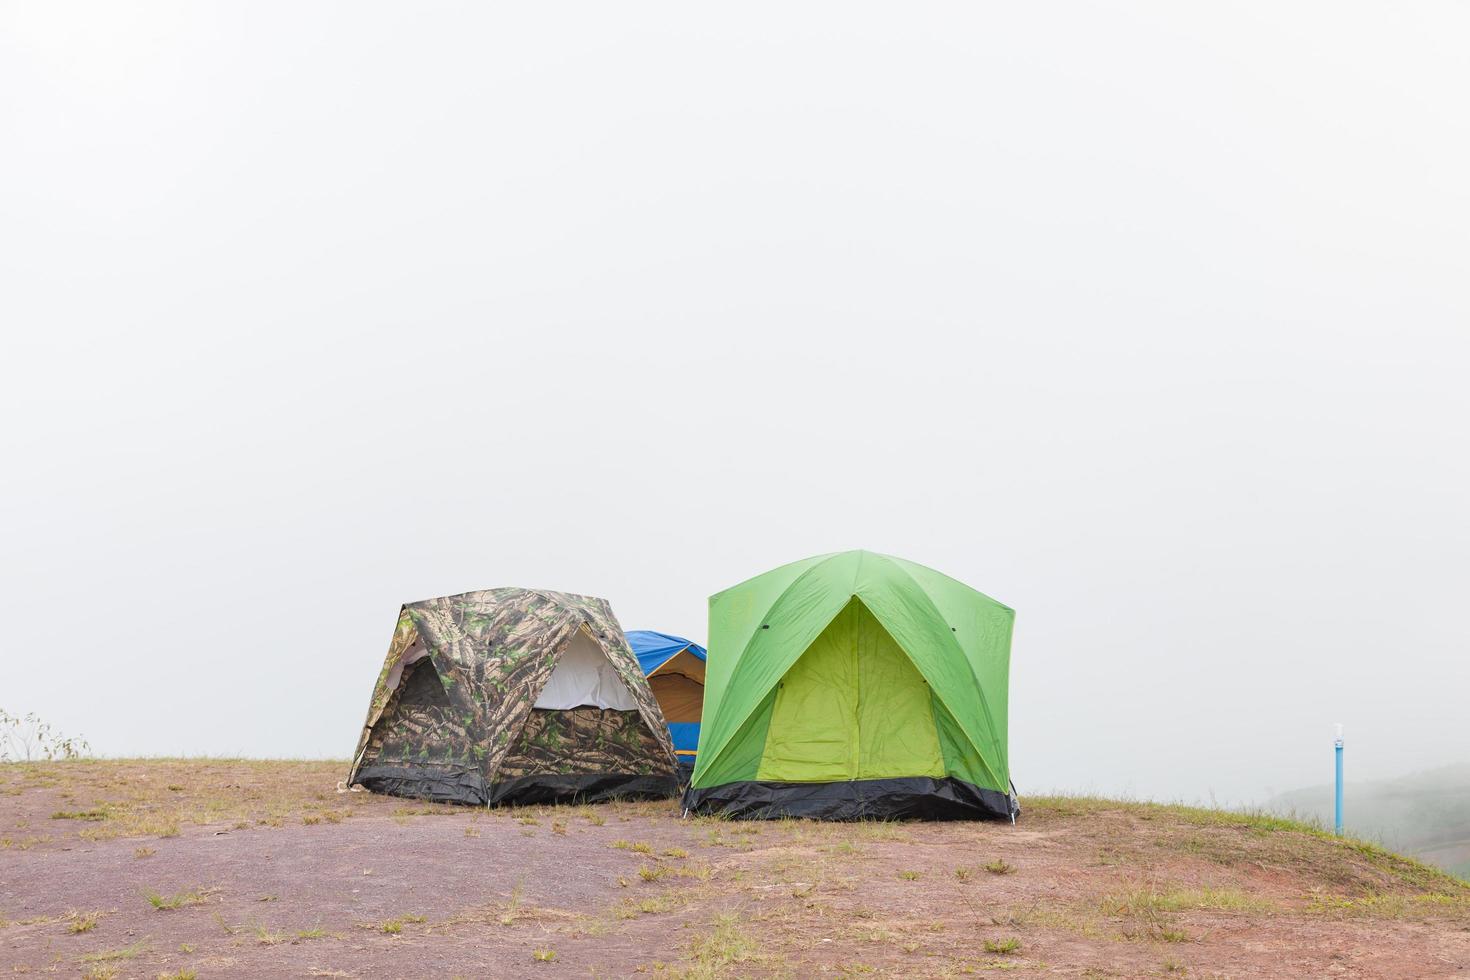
(1151, 320)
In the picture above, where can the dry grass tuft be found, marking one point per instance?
(78, 922)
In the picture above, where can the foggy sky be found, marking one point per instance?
(1149, 320)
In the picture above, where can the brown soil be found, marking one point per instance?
(275, 873)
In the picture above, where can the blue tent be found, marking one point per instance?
(675, 670)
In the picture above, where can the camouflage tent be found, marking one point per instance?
(513, 696)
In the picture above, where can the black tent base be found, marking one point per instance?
(438, 784)
(597, 788)
(899, 798)
(446, 784)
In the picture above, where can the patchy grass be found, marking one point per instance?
(24, 843)
(113, 955)
(159, 797)
(1149, 901)
(1003, 947)
(93, 815)
(999, 867)
(657, 905)
(727, 944)
(1393, 906)
(1149, 914)
(167, 903)
(1271, 837)
(394, 926)
(543, 955)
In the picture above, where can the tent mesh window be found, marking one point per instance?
(423, 687)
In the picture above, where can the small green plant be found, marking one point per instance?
(543, 955)
(652, 872)
(185, 974)
(999, 867)
(1003, 947)
(963, 874)
(911, 875)
(675, 852)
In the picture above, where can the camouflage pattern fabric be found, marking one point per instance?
(405, 635)
(582, 740)
(493, 652)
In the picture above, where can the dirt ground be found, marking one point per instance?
(196, 868)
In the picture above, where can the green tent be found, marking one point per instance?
(851, 686)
